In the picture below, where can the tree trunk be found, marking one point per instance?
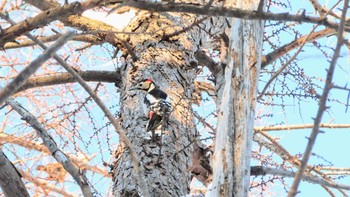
(170, 64)
(236, 89)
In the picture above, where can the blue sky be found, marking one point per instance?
(331, 145)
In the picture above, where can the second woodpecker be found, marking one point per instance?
(156, 105)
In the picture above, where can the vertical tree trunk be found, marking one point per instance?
(236, 89)
(169, 63)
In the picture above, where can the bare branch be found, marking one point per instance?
(26, 43)
(43, 4)
(275, 147)
(277, 73)
(30, 145)
(78, 176)
(205, 60)
(202, 120)
(75, 20)
(38, 21)
(322, 104)
(108, 114)
(321, 9)
(231, 12)
(21, 78)
(260, 170)
(10, 179)
(63, 78)
(333, 168)
(271, 57)
(50, 14)
(302, 126)
(341, 88)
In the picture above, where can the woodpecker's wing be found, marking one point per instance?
(153, 122)
(154, 96)
(158, 94)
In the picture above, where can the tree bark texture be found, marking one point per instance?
(169, 63)
(10, 179)
(236, 89)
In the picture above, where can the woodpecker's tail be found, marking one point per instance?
(153, 122)
(158, 117)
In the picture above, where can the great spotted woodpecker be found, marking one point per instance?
(156, 105)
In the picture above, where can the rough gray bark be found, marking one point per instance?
(10, 179)
(170, 64)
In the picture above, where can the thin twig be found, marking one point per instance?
(292, 58)
(341, 88)
(322, 105)
(49, 142)
(115, 122)
(22, 77)
(231, 12)
(286, 64)
(260, 170)
(301, 126)
(322, 10)
(185, 29)
(277, 148)
(272, 56)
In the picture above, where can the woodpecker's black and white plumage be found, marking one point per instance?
(156, 105)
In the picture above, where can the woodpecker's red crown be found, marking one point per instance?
(146, 84)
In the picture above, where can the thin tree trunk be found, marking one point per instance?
(236, 88)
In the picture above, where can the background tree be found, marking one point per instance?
(207, 56)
